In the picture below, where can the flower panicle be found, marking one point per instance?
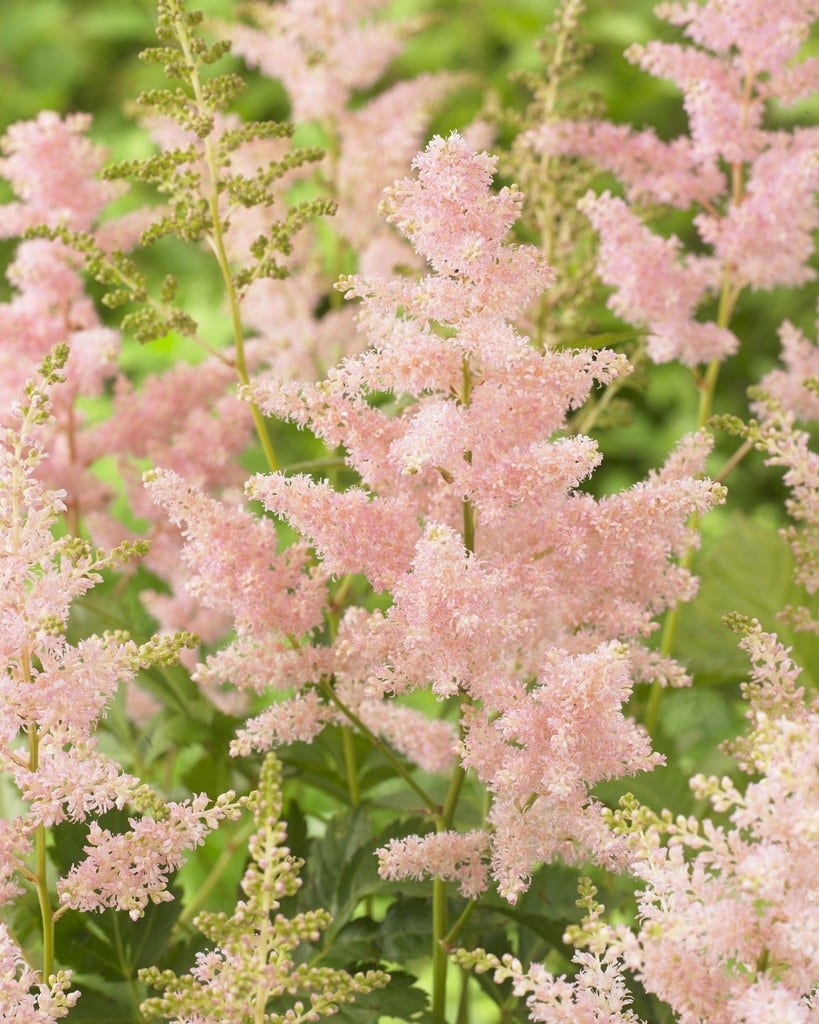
(204, 174)
(252, 968)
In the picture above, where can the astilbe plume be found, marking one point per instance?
(597, 993)
(510, 587)
(52, 166)
(727, 913)
(52, 697)
(253, 975)
(219, 177)
(756, 221)
(24, 999)
(216, 176)
(794, 388)
(187, 418)
(316, 49)
(789, 447)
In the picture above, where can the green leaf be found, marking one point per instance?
(400, 999)
(112, 1002)
(342, 868)
(698, 721)
(358, 942)
(312, 769)
(748, 569)
(407, 930)
(360, 877)
(329, 857)
(552, 894)
(551, 931)
(113, 946)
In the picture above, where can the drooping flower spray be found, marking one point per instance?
(727, 914)
(752, 189)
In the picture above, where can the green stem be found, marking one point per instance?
(126, 969)
(46, 913)
(330, 462)
(463, 1002)
(350, 761)
(468, 507)
(453, 793)
(592, 414)
(41, 868)
(338, 603)
(218, 246)
(440, 924)
(455, 930)
(440, 957)
(351, 766)
(377, 742)
(267, 934)
(440, 952)
(731, 464)
(707, 386)
(666, 646)
(469, 526)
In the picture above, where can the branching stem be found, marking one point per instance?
(217, 244)
(428, 802)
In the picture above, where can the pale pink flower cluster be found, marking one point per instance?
(729, 914)
(789, 386)
(377, 142)
(527, 623)
(185, 418)
(759, 225)
(597, 994)
(53, 695)
(24, 997)
(455, 856)
(232, 554)
(321, 49)
(679, 284)
(426, 742)
(129, 870)
(786, 445)
(195, 426)
(51, 166)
